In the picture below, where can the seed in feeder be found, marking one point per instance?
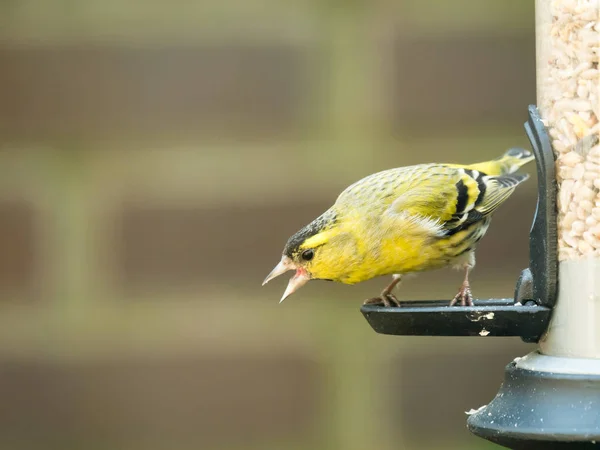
(571, 159)
(582, 91)
(590, 74)
(592, 167)
(591, 240)
(578, 171)
(559, 146)
(584, 209)
(587, 206)
(565, 194)
(578, 228)
(584, 247)
(584, 193)
(564, 199)
(588, 15)
(570, 240)
(568, 219)
(567, 253)
(579, 126)
(585, 144)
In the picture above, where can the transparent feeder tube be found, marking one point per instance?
(568, 81)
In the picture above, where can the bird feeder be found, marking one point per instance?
(551, 397)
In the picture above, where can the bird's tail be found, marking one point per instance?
(509, 162)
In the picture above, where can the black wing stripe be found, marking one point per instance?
(462, 197)
(472, 217)
(466, 238)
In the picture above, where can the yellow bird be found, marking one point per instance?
(403, 220)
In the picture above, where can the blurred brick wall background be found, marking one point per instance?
(155, 157)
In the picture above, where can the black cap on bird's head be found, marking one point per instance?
(298, 256)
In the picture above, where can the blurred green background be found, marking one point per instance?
(154, 158)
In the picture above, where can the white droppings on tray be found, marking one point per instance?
(488, 316)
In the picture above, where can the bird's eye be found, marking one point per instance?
(307, 255)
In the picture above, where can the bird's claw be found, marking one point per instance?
(387, 300)
(464, 296)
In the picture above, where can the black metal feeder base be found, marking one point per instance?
(544, 403)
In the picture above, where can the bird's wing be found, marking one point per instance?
(444, 199)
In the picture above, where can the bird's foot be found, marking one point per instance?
(387, 300)
(464, 296)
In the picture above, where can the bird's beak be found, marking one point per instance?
(284, 265)
(299, 279)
